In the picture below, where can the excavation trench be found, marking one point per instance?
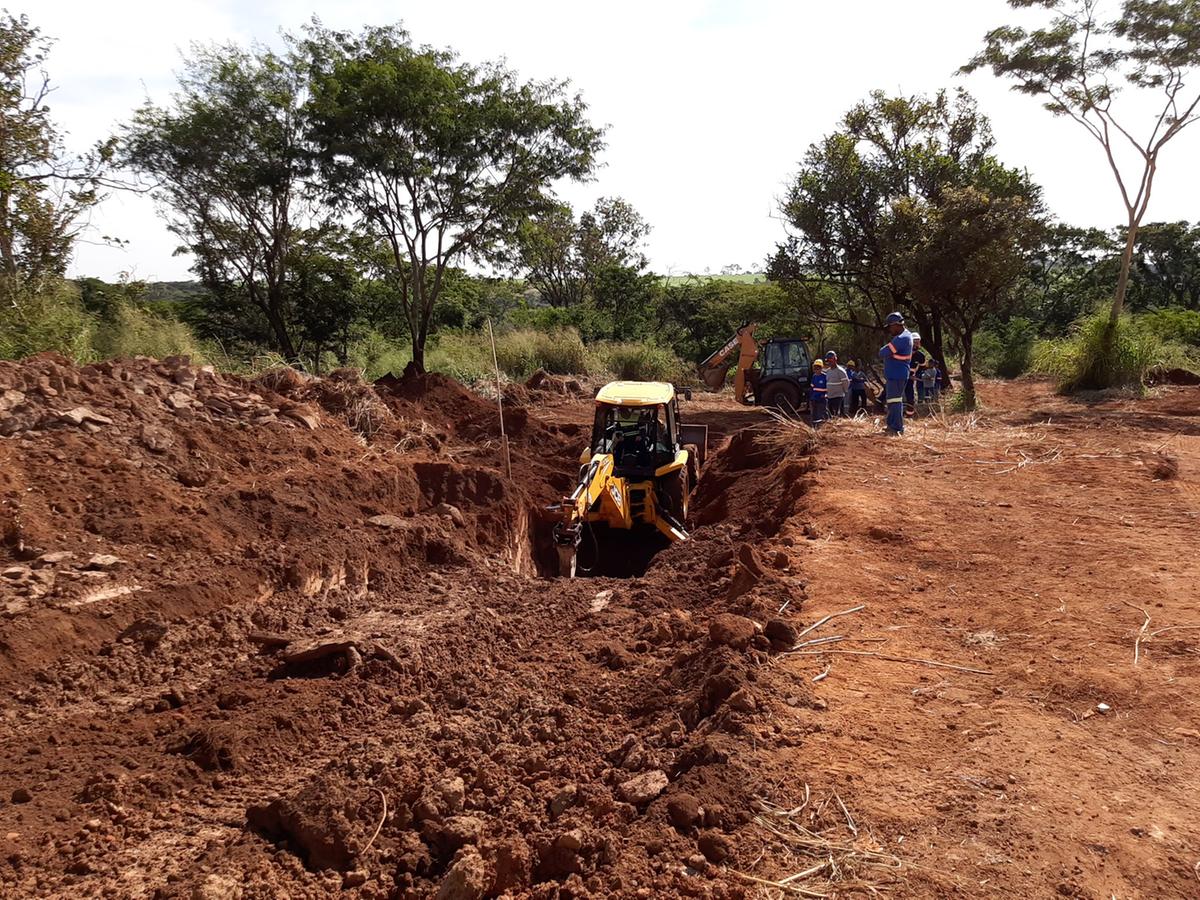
(521, 733)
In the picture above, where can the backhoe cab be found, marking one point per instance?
(638, 470)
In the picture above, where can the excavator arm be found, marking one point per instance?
(594, 479)
(714, 368)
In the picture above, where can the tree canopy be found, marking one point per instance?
(438, 159)
(895, 177)
(45, 193)
(1078, 65)
(228, 160)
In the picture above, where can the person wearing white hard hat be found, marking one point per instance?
(914, 367)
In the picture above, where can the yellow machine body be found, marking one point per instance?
(635, 472)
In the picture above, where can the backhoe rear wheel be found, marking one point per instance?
(783, 397)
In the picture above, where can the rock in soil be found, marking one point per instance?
(644, 787)
(468, 877)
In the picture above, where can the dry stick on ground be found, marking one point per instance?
(817, 624)
(1171, 628)
(382, 819)
(1137, 642)
(849, 819)
(902, 659)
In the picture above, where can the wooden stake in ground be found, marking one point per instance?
(500, 403)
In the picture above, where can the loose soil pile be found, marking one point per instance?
(287, 637)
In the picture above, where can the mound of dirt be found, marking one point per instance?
(764, 502)
(251, 621)
(175, 473)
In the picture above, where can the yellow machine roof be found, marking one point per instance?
(636, 393)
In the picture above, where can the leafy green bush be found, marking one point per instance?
(1006, 350)
(51, 319)
(377, 355)
(133, 331)
(1096, 355)
(521, 353)
(464, 356)
(1180, 326)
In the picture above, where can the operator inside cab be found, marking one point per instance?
(635, 436)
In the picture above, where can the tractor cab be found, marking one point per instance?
(636, 423)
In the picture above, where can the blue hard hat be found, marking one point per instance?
(894, 319)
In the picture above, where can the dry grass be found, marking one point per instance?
(417, 435)
(827, 852)
(354, 403)
(786, 435)
(283, 380)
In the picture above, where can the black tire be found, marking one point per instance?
(675, 489)
(784, 397)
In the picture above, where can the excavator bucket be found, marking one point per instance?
(568, 557)
(713, 378)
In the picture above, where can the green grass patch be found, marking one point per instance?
(1098, 355)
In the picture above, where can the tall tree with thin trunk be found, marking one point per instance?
(438, 160)
(1077, 64)
(228, 161)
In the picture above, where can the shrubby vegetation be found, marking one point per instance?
(1097, 355)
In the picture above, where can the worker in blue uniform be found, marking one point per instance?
(896, 355)
(819, 391)
(858, 388)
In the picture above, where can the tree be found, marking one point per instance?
(966, 254)
(1075, 64)
(1068, 273)
(548, 253)
(324, 293)
(438, 159)
(228, 160)
(841, 203)
(1166, 267)
(45, 193)
(563, 258)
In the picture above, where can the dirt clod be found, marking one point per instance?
(685, 812)
(715, 846)
(732, 630)
(781, 634)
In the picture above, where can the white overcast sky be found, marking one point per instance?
(710, 103)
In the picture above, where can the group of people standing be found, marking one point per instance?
(910, 377)
(836, 390)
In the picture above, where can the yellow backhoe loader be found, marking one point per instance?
(638, 470)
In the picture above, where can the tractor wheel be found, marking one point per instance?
(675, 495)
(784, 397)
